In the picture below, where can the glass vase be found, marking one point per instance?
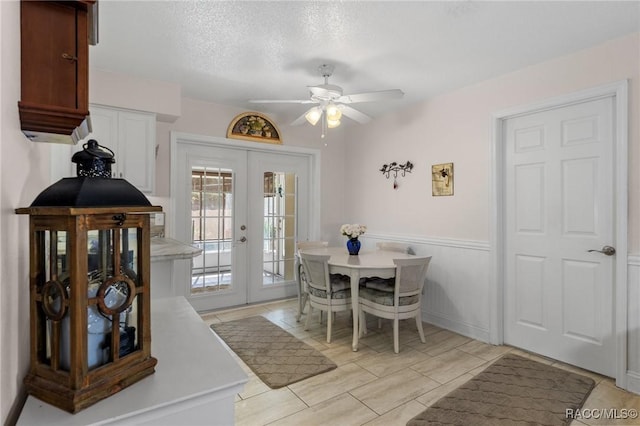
(353, 245)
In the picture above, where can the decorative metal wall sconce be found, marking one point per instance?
(393, 169)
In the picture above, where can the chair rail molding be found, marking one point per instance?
(435, 241)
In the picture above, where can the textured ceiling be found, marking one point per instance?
(228, 52)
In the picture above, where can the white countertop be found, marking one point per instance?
(170, 249)
(192, 365)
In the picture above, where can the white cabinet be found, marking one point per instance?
(131, 135)
(195, 383)
(135, 150)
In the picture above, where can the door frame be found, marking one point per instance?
(179, 270)
(619, 90)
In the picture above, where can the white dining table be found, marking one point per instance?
(368, 263)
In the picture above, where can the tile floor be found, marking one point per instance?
(375, 386)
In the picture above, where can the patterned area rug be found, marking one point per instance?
(512, 391)
(277, 357)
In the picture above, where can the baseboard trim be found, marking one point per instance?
(462, 328)
(633, 382)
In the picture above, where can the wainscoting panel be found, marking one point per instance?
(457, 292)
(456, 295)
(633, 323)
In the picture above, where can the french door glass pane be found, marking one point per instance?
(212, 228)
(279, 227)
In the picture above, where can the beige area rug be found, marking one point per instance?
(277, 357)
(512, 391)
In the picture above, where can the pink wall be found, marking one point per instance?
(204, 118)
(24, 172)
(456, 127)
(124, 91)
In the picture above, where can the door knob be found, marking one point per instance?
(243, 240)
(606, 250)
(69, 57)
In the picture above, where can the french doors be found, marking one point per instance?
(246, 209)
(559, 219)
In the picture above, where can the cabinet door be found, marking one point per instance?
(104, 122)
(49, 32)
(54, 69)
(131, 135)
(136, 149)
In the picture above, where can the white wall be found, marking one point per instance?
(633, 306)
(451, 128)
(209, 119)
(456, 127)
(2, 387)
(24, 172)
(186, 115)
(159, 97)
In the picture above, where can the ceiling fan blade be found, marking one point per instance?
(354, 114)
(281, 101)
(371, 96)
(323, 93)
(326, 91)
(318, 91)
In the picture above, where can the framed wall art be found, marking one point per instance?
(442, 179)
(253, 126)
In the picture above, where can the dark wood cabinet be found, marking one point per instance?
(54, 105)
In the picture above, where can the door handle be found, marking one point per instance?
(606, 250)
(69, 57)
(243, 240)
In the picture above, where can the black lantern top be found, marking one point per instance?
(93, 160)
(90, 192)
(94, 186)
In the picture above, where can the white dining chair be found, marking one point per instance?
(302, 282)
(385, 284)
(328, 293)
(404, 302)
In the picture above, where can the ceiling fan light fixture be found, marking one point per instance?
(332, 104)
(313, 115)
(333, 112)
(332, 124)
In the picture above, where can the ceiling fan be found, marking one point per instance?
(331, 104)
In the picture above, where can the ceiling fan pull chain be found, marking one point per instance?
(324, 124)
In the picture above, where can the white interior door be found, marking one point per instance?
(559, 205)
(245, 209)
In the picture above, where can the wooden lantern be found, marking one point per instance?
(89, 296)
